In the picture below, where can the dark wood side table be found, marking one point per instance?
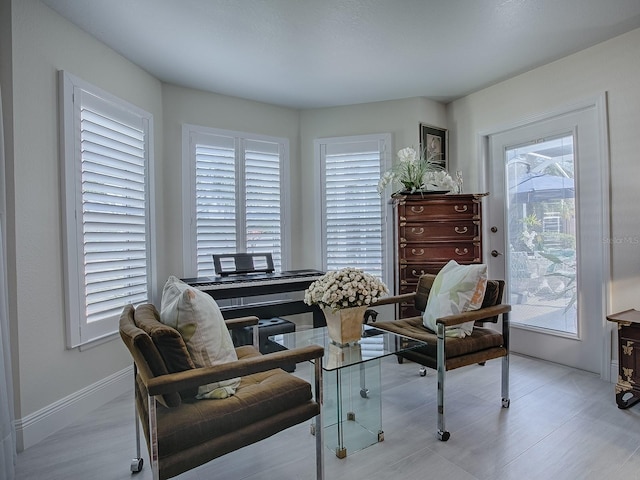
(628, 385)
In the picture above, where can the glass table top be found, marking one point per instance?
(373, 344)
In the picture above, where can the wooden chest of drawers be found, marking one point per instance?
(432, 229)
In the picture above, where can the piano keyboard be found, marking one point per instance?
(253, 279)
(243, 286)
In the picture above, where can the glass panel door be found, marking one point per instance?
(541, 234)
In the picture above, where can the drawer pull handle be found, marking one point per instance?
(417, 274)
(417, 251)
(463, 208)
(417, 231)
(461, 230)
(464, 251)
(417, 209)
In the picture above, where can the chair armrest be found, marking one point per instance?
(405, 297)
(371, 314)
(176, 382)
(473, 315)
(241, 322)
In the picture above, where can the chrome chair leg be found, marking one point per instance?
(318, 430)
(505, 362)
(443, 435)
(137, 462)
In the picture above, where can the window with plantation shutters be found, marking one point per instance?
(106, 162)
(354, 226)
(234, 195)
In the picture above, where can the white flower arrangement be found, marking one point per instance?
(345, 288)
(417, 173)
(439, 180)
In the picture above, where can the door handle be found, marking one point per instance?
(495, 253)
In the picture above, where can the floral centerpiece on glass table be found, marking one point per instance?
(417, 173)
(344, 295)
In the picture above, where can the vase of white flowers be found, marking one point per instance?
(417, 173)
(344, 326)
(344, 295)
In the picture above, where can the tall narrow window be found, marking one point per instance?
(106, 187)
(353, 213)
(234, 196)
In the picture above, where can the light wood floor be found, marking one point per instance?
(562, 424)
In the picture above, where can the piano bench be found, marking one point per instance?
(266, 328)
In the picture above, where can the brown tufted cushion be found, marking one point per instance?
(167, 340)
(144, 352)
(258, 396)
(422, 291)
(492, 296)
(247, 351)
(480, 339)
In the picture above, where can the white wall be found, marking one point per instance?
(43, 43)
(612, 67)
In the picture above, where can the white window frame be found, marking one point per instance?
(80, 330)
(190, 134)
(384, 141)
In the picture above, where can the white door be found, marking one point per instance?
(547, 216)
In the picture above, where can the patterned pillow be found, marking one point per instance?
(456, 289)
(198, 319)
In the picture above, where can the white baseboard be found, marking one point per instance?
(37, 426)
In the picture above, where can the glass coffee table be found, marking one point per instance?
(352, 409)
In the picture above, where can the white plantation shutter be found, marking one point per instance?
(238, 199)
(215, 200)
(263, 198)
(354, 214)
(106, 183)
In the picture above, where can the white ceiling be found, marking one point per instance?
(316, 53)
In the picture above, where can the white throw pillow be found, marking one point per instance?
(197, 317)
(456, 289)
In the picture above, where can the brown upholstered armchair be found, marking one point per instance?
(444, 353)
(182, 432)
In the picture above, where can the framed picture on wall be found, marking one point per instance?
(435, 143)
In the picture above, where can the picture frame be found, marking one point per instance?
(435, 141)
